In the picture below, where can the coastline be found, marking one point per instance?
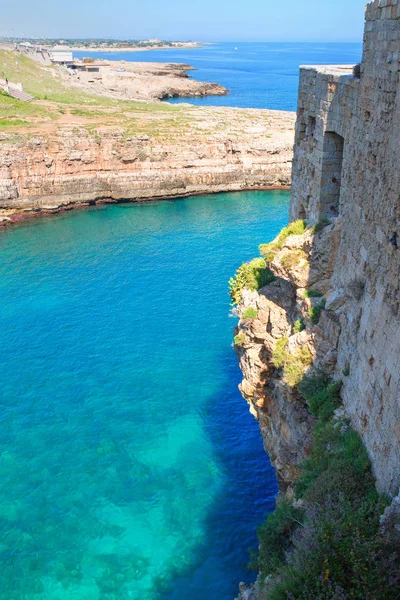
(188, 46)
(23, 217)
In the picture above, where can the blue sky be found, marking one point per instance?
(208, 20)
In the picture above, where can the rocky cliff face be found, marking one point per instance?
(75, 166)
(285, 312)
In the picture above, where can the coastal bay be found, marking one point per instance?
(129, 462)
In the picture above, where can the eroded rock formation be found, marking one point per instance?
(75, 166)
(282, 309)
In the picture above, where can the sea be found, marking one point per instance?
(130, 465)
(257, 75)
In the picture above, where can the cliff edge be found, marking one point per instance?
(318, 338)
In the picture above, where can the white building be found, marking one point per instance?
(61, 56)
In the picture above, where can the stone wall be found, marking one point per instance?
(347, 167)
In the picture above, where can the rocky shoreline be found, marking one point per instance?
(140, 81)
(19, 218)
(74, 166)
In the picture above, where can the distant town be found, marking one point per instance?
(99, 44)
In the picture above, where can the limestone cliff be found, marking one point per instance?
(286, 312)
(74, 165)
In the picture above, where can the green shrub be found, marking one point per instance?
(298, 326)
(280, 353)
(275, 538)
(341, 553)
(270, 250)
(250, 313)
(320, 225)
(239, 339)
(331, 449)
(346, 371)
(312, 294)
(346, 482)
(293, 364)
(293, 258)
(322, 394)
(251, 276)
(293, 370)
(314, 313)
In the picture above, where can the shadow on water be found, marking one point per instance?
(247, 496)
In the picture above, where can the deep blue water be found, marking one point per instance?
(129, 463)
(258, 75)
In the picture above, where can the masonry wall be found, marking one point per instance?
(347, 167)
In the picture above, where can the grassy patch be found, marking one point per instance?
(293, 258)
(294, 364)
(250, 313)
(251, 276)
(239, 339)
(270, 250)
(12, 122)
(322, 395)
(320, 225)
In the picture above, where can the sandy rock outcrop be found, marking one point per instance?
(75, 166)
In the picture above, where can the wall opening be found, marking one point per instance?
(332, 162)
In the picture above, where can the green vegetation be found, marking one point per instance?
(270, 250)
(314, 313)
(293, 364)
(322, 395)
(335, 549)
(312, 294)
(250, 313)
(298, 326)
(53, 98)
(293, 258)
(239, 339)
(279, 353)
(251, 276)
(346, 371)
(320, 225)
(275, 537)
(12, 122)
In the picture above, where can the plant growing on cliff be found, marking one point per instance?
(314, 313)
(320, 225)
(275, 537)
(340, 551)
(239, 339)
(293, 258)
(250, 313)
(293, 364)
(322, 394)
(298, 326)
(251, 276)
(309, 293)
(269, 251)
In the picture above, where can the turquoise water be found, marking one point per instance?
(257, 74)
(129, 463)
